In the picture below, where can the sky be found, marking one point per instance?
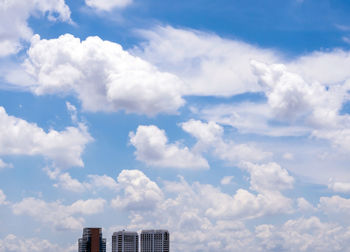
(225, 122)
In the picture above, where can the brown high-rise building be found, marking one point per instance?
(92, 241)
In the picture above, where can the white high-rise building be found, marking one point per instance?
(155, 241)
(124, 241)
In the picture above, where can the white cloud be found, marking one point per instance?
(3, 198)
(102, 75)
(73, 112)
(304, 205)
(17, 244)
(243, 204)
(335, 205)
(94, 182)
(303, 234)
(250, 117)
(87, 207)
(203, 218)
(326, 67)
(226, 180)
(107, 5)
(4, 165)
(210, 137)
(97, 182)
(209, 65)
(66, 182)
(291, 98)
(207, 134)
(341, 187)
(58, 215)
(139, 192)
(210, 202)
(152, 147)
(339, 136)
(200, 216)
(14, 14)
(269, 176)
(64, 148)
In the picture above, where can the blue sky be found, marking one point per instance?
(225, 122)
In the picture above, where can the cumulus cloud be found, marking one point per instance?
(202, 217)
(64, 148)
(291, 97)
(93, 183)
(152, 147)
(335, 205)
(204, 199)
(61, 217)
(304, 205)
(16, 244)
(65, 181)
(102, 75)
(13, 20)
(303, 234)
(101, 182)
(210, 137)
(340, 187)
(209, 65)
(107, 5)
(139, 192)
(270, 176)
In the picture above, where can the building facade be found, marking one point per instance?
(92, 241)
(124, 241)
(155, 241)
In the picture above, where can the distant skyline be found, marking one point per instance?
(226, 123)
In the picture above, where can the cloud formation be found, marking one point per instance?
(291, 98)
(268, 177)
(152, 147)
(12, 243)
(107, 5)
(210, 138)
(199, 214)
(94, 183)
(61, 217)
(138, 192)
(208, 64)
(102, 75)
(14, 15)
(64, 148)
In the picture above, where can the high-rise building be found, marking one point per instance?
(124, 241)
(92, 241)
(155, 241)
